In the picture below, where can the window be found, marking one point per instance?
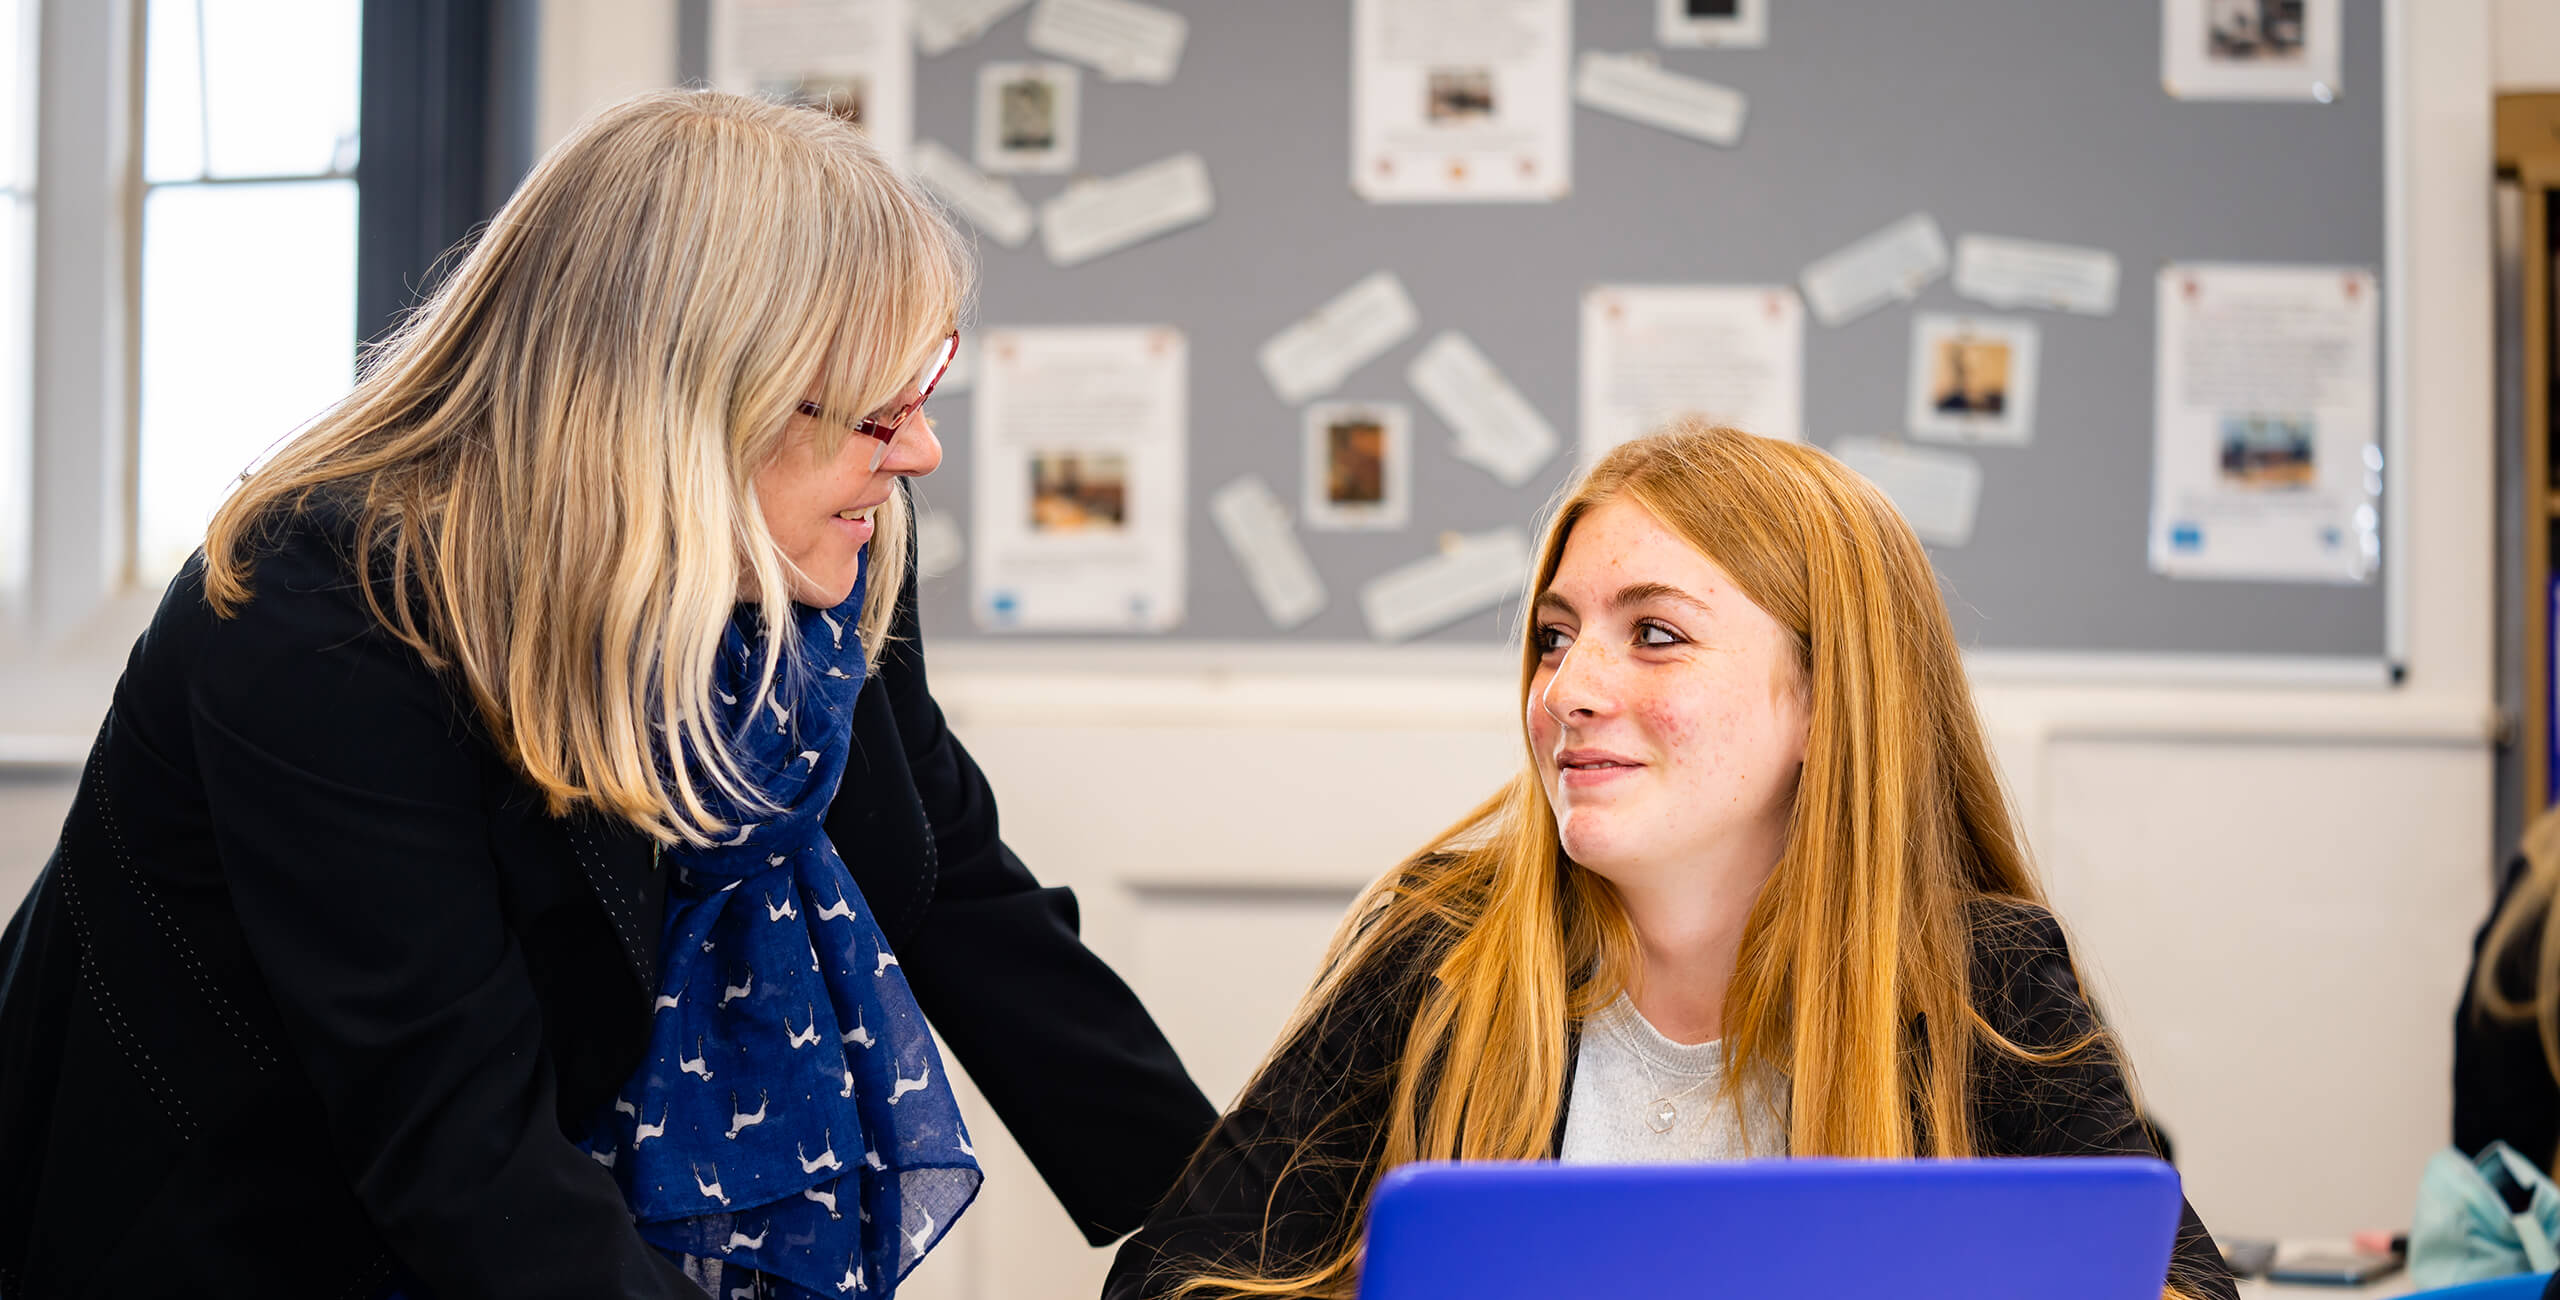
(17, 282)
(248, 262)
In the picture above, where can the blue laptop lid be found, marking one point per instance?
(2087, 1229)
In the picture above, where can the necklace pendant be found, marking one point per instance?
(1663, 1115)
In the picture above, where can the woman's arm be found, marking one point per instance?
(1274, 1189)
(2025, 984)
(1050, 1035)
(346, 802)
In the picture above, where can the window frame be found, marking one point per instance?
(445, 122)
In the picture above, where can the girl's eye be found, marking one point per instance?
(1551, 639)
(1655, 634)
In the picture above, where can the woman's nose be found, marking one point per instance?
(915, 451)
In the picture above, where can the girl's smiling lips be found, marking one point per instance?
(1582, 768)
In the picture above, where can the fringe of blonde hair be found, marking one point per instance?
(552, 459)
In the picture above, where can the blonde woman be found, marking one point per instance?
(1755, 892)
(523, 853)
(2506, 1034)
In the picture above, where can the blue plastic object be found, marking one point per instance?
(2089, 1229)
(2523, 1286)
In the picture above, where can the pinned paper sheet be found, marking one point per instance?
(945, 25)
(1249, 514)
(852, 59)
(1636, 88)
(2025, 273)
(987, 202)
(1497, 430)
(1728, 354)
(1936, 491)
(1105, 216)
(2266, 458)
(1891, 265)
(1472, 573)
(1122, 39)
(1313, 356)
(939, 547)
(1079, 440)
(1461, 101)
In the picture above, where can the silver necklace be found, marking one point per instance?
(1663, 1114)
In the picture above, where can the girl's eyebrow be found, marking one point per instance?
(1632, 594)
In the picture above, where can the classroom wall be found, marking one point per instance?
(2528, 45)
(2273, 889)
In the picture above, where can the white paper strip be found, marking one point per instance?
(1249, 514)
(1124, 40)
(945, 25)
(1474, 573)
(1104, 216)
(1892, 264)
(987, 202)
(2025, 273)
(1937, 491)
(1639, 90)
(1497, 430)
(1313, 356)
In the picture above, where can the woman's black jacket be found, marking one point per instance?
(1299, 1145)
(311, 987)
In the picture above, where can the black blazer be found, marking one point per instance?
(1324, 1099)
(311, 987)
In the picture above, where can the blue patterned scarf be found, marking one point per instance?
(792, 1117)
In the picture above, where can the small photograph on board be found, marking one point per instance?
(1027, 117)
(2264, 452)
(2250, 49)
(1973, 379)
(837, 96)
(1359, 459)
(1736, 24)
(1079, 492)
(1458, 96)
(2260, 31)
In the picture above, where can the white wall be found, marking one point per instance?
(2528, 45)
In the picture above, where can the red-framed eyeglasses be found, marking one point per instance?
(885, 429)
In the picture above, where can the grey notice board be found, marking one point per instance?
(2039, 119)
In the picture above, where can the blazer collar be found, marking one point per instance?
(622, 866)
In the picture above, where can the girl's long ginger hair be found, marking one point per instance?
(553, 458)
(1860, 934)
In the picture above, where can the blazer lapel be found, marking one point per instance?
(623, 868)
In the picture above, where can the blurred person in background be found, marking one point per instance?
(2506, 1032)
(523, 854)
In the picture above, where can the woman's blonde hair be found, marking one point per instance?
(2524, 931)
(1861, 933)
(552, 460)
